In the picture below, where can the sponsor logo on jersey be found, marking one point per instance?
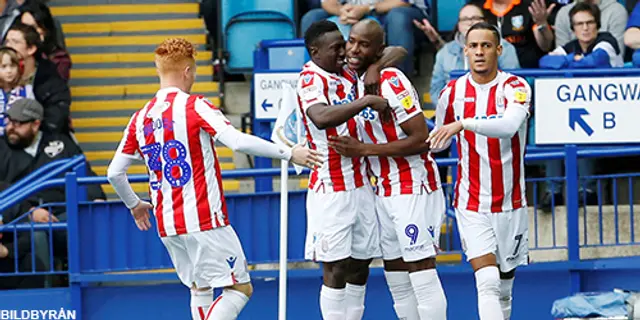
(231, 261)
(520, 95)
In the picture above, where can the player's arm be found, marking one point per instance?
(518, 96)
(406, 107)
(391, 56)
(444, 117)
(217, 125)
(316, 105)
(125, 155)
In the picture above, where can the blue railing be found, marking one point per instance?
(100, 235)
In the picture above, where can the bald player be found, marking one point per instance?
(174, 134)
(409, 202)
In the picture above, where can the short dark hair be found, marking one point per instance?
(31, 35)
(484, 26)
(317, 30)
(588, 7)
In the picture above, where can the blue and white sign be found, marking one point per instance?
(267, 93)
(587, 110)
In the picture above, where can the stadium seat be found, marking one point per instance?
(447, 14)
(239, 22)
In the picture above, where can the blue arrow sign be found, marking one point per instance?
(266, 105)
(575, 116)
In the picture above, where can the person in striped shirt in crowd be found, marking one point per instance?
(342, 228)
(487, 109)
(174, 134)
(410, 203)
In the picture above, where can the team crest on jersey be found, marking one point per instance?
(517, 23)
(395, 82)
(307, 79)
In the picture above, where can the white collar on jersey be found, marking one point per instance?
(486, 85)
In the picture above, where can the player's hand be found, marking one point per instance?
(380, 105)
(304, 156)
(347, 146)
(437, 139)
(140, 214)
(42, 215)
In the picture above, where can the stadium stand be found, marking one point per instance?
(118, 272)
(111, 47)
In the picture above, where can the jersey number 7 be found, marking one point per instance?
(159, 159)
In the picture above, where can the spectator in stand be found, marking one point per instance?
(8, 254)
(613, 19)
(11, 82)
(450, 55)
(24, 149)
(590, 49)
(37, 15)
(48, 87)
(395, 15)
(525, 24)
(632, 35)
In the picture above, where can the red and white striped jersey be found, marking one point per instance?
(315, 86)
(174, 134)
(490, 170)
(397, 175)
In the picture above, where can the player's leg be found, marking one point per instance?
(334, 214)
(396, 271)
(219, 262)
(200, 298)
(417, 220)
(480, 245)
(365, 246)
(512, 232)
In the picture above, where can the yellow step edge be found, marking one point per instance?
(97, 137)
(128, 72)
(124, 9)
(110, 41)
(449, 257)
(126, 57)
(429, 113)
(132, 26)
(114, 105)
(143, 187)
(222, 152)
(142, 169)
(130, 89)
(100, 122)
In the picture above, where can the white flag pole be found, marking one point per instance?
(284, 232)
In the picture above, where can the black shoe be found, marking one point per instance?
(548, 198)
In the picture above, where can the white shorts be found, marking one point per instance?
(505, 234)
(410, 225)
(341, 225)
(212, 258)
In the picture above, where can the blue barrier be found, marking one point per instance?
(104, 242)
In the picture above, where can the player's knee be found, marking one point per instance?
(335, 273)
(508, 275)
(488, 281)
(358, 271)
(245, 288)
(395, 265)
(201, 291)
(424, 264)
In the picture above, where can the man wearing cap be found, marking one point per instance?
(24, 149)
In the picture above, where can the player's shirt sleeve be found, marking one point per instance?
(129, 145)
(212, 119)
(311, 90)
(402, 97)
(517, 94)
(444, 109)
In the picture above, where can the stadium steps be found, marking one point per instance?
(111, 43)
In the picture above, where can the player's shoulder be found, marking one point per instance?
(509, 80)
(448, 88)
(389, 73)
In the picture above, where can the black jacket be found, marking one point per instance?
(15, 164)
(24, 238)
(54, 95)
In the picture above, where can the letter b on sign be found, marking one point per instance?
(609, 120)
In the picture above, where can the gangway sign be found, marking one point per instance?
(267, 93)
